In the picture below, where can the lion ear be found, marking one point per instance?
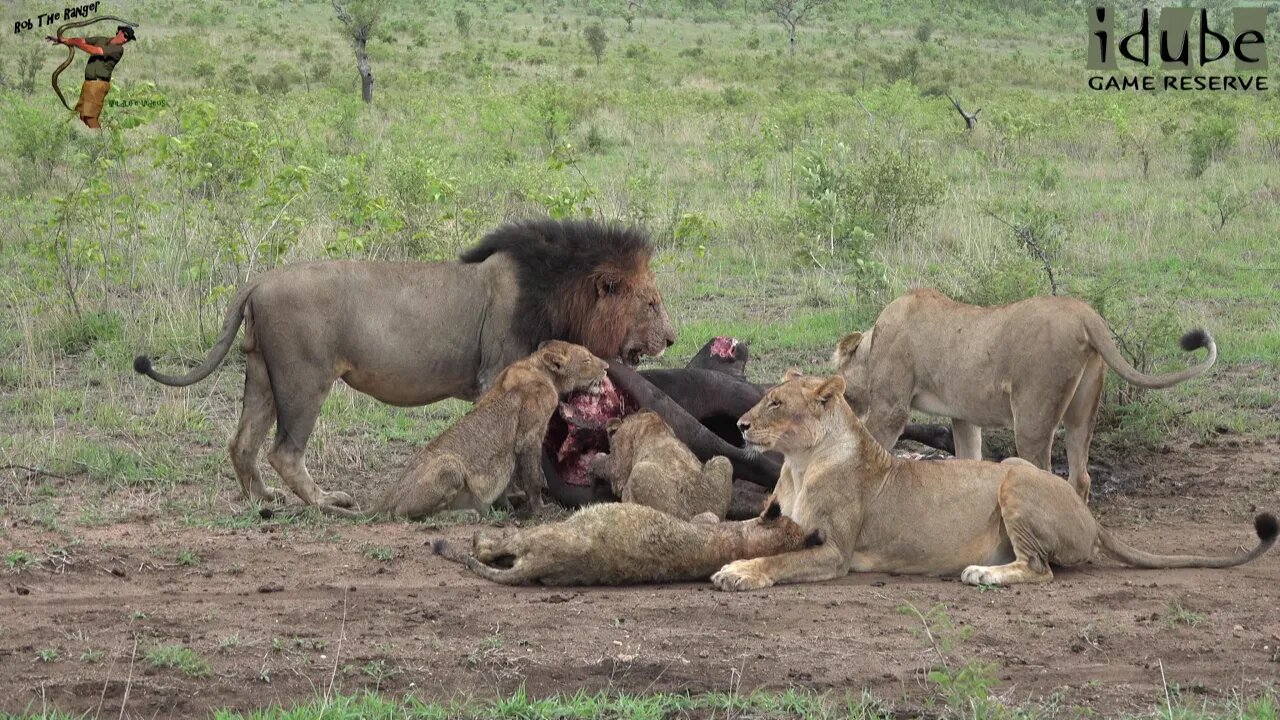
(607, 285)
(555, 361)
(612, 426)
(831, 388)
(849, 344)
(791, 374)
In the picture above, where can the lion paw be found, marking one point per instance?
(738, 576)
(336, 498)
(979, 575)
(268, 496)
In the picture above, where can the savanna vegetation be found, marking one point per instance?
(791, 196)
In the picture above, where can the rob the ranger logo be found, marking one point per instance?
(1177, 45)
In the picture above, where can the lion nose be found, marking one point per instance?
(743, 425)
(671, 341)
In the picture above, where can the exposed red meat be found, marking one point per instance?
(724, 347)
(577, 432)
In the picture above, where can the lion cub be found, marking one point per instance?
(469, 465)
(648, 465)
(623, 543)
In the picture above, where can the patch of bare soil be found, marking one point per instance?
(283, 613)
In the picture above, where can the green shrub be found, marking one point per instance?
(1209, 140)
(596, 39)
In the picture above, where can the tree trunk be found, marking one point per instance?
(793, 40)
(366, 71)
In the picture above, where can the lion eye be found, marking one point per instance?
(773, 404)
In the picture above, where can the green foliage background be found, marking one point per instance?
(791, 196)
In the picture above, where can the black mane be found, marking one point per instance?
(552, 257)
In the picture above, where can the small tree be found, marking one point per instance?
(360, 17)
(462, 19)
(791, 13)
(924, 31)
(597, 39)
(28, 66)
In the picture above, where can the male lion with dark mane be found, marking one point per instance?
(991, 523)
(411, 333)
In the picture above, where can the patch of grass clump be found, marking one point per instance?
(180, 658)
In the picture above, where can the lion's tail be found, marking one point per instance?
(230, 324)
(1100, 338)
(451, 550)
(1264, 524)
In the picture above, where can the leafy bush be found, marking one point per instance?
(1209, 140)
(596, 39)
(886, 193)
(924, 31)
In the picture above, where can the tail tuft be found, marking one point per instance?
(1266, 526)
(439, 546)
(142, 365)
(1194, 340)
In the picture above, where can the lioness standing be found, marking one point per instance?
(994, 523)
(648, 465)
(623, 543)
(1028, 365)
(468, 466)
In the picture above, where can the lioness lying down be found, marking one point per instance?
(469, 465)
(993, 523)
(622, 543)
(1030, 365)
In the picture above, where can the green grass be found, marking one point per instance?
(19, 560)
(792, 704)
(762, 705)
(180, 658)
(1176, 614)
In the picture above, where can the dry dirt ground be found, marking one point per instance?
(285, 612)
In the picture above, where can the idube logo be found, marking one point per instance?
(1176, 42)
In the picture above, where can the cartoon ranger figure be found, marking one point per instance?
(104, 53)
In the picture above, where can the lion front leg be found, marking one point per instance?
(531, 478)
(825, 562)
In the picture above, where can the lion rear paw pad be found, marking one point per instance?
(979, 575)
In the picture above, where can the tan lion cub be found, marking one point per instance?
(623, 543)
(469, 465)
(991, 523)
(648, 465)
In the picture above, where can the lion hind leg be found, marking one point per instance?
(433, 489)
(488, 546)
(1018, 571)
(300, 392)
(521, 573)
(1080, 417)
(1045, 522)
(257, 413)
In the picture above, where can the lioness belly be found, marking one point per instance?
(937, 518)
(971, 404)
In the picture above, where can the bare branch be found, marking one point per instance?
(1026, 235)
(970, 120)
